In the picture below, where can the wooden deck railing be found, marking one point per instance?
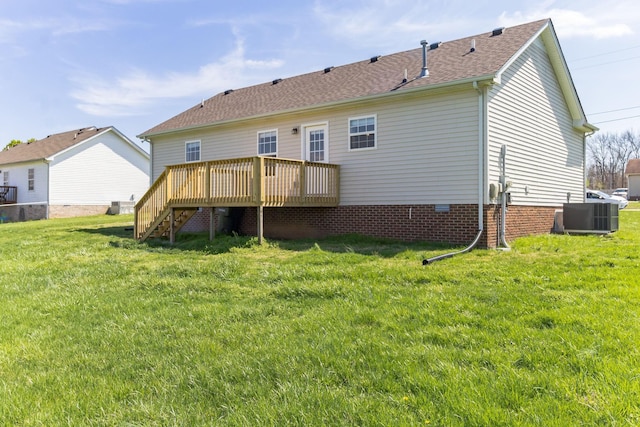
(251, 181)
(8, 195)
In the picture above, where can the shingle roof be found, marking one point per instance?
(633, 167)
(449, 63)
(48, 146)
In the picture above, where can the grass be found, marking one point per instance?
(98, 330)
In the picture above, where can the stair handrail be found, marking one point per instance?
(151, 205)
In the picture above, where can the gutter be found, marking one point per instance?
(487, 79)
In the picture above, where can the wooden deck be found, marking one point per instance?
(248, 182)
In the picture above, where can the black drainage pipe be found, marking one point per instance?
(451, 254)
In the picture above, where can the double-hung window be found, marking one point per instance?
(192, 151)
(268, 143)
(362, 132)
(31, 179)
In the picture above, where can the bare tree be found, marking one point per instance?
(608, 154)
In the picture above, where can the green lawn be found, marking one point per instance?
(98, 330)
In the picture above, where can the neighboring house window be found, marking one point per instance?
(362, 132)
(5, 177)
(268, 143)
(192, 151)
(31, 179)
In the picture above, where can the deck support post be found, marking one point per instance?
(172, 230)
(260, 214)
(212, 223)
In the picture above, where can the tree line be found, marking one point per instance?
(607, 157)
(15, 142)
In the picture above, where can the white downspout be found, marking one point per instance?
(481, 145)
(48, 197)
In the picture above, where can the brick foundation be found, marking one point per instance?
(70, 211)
(403, 222)
(521, 221)
(20, 213)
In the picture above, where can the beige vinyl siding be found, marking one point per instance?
(227, 142)
(529, 115)
(426, 153)
(426, 147)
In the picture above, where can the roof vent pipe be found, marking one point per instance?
(473, 45)
(425, 71)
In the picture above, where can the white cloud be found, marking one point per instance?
(134, 93)
(385, 24)
(10, 30)
(600, 20)
(380, 22)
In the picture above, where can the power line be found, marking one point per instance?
(606, 63)
(611, 52)
(614, 111)
(616, 120)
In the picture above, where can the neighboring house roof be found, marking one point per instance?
(55, 144)
(633, 167)
(448, 63)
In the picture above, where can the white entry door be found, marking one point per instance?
(316, 143)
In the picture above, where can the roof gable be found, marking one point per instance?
(633, 167)
(55, 144)
(448, 63)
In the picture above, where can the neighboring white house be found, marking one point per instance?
(74, 173)
(419, 144)
(632, 171)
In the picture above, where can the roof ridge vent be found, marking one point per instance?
(497, 31)
(374, 59)
(276, 81)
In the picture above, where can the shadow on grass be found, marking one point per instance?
(199, 242)
(117, 231)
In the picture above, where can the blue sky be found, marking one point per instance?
(67, 64)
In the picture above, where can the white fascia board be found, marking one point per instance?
(561, 69)
(102, 132)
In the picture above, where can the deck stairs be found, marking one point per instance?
(162, 226)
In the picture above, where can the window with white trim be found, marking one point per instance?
(31, 179)
(362, 132)
(268, 143)
(192, 151)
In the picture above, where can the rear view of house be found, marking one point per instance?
(74, 173)
(483, 135)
